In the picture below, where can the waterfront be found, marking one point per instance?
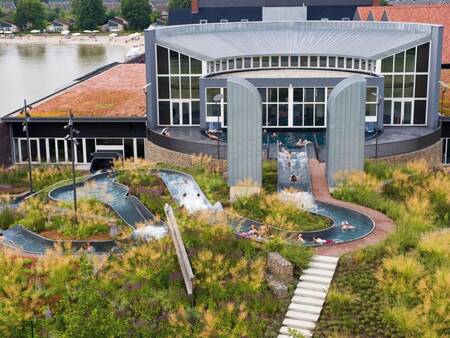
(33, 71)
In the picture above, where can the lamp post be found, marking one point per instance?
(145, 88)
(25, 124)
(444, 87)
(73, 143)
(218, 98)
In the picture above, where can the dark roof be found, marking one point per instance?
(7, 22)
(280, 3)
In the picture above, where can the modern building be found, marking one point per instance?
(295, 65)
(422, 13)
(109, 110)
(211, 11)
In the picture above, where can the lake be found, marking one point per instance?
(32, 71)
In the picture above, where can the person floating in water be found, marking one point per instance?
(345, 226)
(293, 178)
(89, 248)
(321, 241)
(300, 238)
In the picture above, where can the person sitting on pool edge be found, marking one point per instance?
(300, 238)
(345, 226)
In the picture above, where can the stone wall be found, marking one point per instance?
(159, 154)
(431, 154)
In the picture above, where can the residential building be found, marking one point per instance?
(116, 24)
(9, 26)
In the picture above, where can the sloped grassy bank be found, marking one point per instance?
(398, 288)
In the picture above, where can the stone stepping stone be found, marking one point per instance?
(318, 272)
(323, 266)
(308, 301)
(308, 317)
(310, 293)
(325, 259)
(313, 286)
(316, 279)
(305, 308)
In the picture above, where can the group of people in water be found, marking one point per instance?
(288, 155)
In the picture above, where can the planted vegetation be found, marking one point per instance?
(141, 293)
(270, 210)
(398, 288)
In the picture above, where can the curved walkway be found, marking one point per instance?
(383, 224)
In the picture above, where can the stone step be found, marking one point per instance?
(299, 324)
(307, 317)
(324, 259)
(316, 279)
(305, 308)
(323, 266)
(318, 272)
(283, 336)
(310, 293)
(285, 331)
(312, 286)
(307, 301)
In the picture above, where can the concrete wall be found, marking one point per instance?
(345, 131)
(244, 149)
(150, 66)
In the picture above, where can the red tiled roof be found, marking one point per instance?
(115, 93)
(434, 14)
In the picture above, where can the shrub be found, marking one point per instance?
(7, 218)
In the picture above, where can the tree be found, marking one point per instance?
(137, 13)
(88, 13)
(179, 4)
(30, 12)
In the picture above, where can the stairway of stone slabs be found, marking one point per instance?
(306, 305)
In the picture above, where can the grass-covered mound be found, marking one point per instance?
(398, 288)
(270, 210)
(56, 219)
(141, 293)
(15, 179)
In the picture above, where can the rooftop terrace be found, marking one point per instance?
(114, 93)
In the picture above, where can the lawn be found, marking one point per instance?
(398, 288)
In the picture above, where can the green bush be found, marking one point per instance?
(7, 218)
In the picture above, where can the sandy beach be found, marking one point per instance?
(123, 40)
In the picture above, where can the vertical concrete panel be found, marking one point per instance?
(150, 65)
(345, 131)
(244, 137)
(435, 75)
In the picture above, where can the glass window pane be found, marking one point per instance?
(320, 95)
(298, 94)
(272, 114)
(265, 61)
(323, 61)
(363, 64)
(397, 112)
(195, 91)
(264, 114)
(225, 115)
(175, 87)
(239, 63)
(297, 115)
(90, 148)
(398, 85)
(247, 63)
(164, 112)
(421, 85)
(309, 95)
(185, 87)
(230, 64)
(388, 86)
(184, 63)
(196, 66)
(274, 61)
(283, 115)
(16, 150)
(224, 65)
(285, 61)
(176, 113)
(174, 64)
(422, 58)
(128, 148)
(185, 107)
(263, 93)
(273, 94)
(309, 114)
(43, 149)
(420, 111)
(140, 148)
(410, 60)
(371, 109)
(109, 142)
(303, 61)
(387, 112)
(387, 64)
(163, 60)
(34, 150)
(399, 62)
(212, 109)
(407, 112)
(356, 65)
(371, 94)
(409, 86)
(320, 115)
(163, 87)
(294, 61)
(24, 150)
(348, 63)
(256, 62)
(210, 93)
(283, 95)
(61, 151)
(332, 61)
(340, 62)
(195, 106)
(313, 61)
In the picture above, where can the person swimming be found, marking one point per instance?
(345, 226)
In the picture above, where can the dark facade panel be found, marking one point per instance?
(185, 16)
(330, 12)
(101, 129)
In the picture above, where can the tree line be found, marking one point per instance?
(87, 14)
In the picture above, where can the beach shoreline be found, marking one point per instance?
(123, 40)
